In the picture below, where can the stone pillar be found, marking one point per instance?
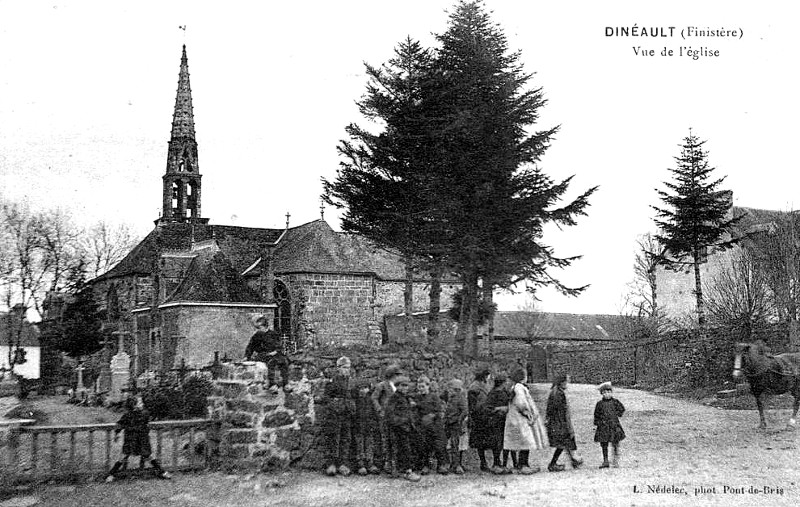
(120, 371)
(261, 429)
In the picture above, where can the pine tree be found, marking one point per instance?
(380, 177)
(451, 180)
(495, 198)
(697, 216)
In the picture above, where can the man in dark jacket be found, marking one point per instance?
(265, 346)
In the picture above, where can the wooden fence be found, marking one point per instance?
(34, 453)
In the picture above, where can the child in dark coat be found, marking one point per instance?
(135, 423)
(455, 423)
(559, 425)
(479, 437)
(496, 408)
(364, 428)
(338, 423)
(606, 417)
(380, 399)
(400, 415)
(430, 422)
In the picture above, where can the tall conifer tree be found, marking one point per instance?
(696, 218)
(495, 196)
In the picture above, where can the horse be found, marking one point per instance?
(768, 374)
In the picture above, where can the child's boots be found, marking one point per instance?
(160, 472)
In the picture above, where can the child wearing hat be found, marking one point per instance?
(455, 424)
(430, 417)
(400, 418)
(339, 418)
(380, 399)
(606, 417)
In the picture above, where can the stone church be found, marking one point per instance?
(191, 288)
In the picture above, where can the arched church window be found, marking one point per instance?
(283, 314)
(182, 165)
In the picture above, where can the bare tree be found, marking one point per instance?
(740, 295)
(641, 302)
(24, 268)
(776, 252)
(29, 265)
(103, 245)
(59, 243)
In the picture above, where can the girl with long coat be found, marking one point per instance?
(559, 425)
(479, 436)
(523, 430)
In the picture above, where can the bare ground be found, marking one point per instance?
(674, 444)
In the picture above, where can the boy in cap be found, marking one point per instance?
(430, 417)
(400, 417)
(606, 417)
(380, 399)
(339, 418)
(455, 423)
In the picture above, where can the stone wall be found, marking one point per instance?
(682, 357)
(201, 331)
(348, 309)
(389, 297)
(338, 307)
(260, 429)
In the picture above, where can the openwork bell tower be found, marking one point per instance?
(181, 196)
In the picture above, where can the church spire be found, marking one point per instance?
(183, 118)
(181, 192)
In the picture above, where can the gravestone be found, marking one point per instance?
(120, 371)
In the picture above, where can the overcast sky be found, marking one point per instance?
(87, 90)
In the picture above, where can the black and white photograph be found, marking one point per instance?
(417, 253)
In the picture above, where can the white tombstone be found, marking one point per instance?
(120, 371)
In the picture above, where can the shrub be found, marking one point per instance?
(184, 400)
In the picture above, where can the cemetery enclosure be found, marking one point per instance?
(35, 453)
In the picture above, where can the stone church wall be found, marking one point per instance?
(389, 298)
(194, 333)
(338, 307)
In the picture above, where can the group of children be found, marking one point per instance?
(410, 431)
(405, 431)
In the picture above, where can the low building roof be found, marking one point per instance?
(561, 326)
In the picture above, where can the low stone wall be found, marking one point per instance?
(261, 429)
(684, 357)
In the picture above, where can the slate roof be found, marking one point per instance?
(309, 248)
(210, 278)
(30, 333)
(560, 326)
(315, 247)
(241, 245)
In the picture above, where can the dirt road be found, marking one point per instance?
(676, 453)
